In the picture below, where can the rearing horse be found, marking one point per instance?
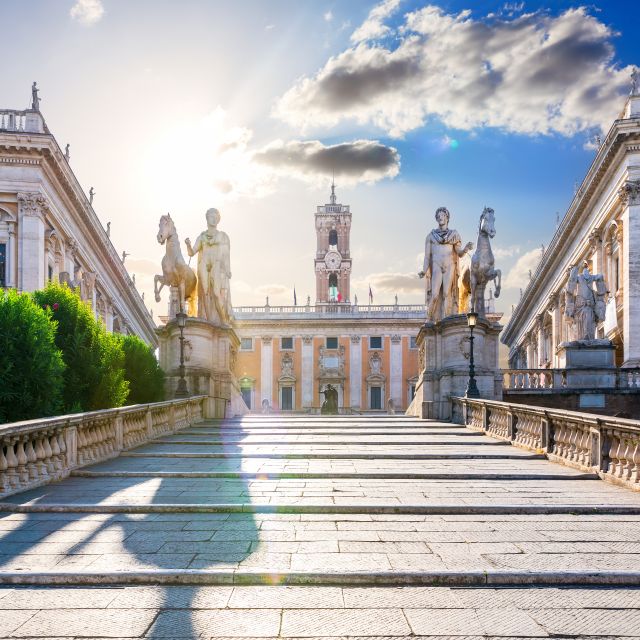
(482, 269)
(175, 271)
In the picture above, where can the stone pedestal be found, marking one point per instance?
(588, 364)
(209, 358)
(444, 364)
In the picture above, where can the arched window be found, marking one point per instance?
(333, 238)
(333, 280)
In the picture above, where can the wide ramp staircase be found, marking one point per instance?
(298, 526)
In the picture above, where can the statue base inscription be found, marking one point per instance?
(209, 361)
(444, 349)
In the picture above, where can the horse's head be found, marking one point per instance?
(487, 222)
(166, 228)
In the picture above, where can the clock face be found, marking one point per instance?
(332, 259)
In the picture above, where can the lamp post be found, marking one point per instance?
(472, 387)
(181, 390)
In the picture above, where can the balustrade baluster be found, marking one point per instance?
(4, 480)
(32, 459)
(51, 467)
(12, 466)
(23, 473)
(62, 446)
(55, 451)
(40, 454)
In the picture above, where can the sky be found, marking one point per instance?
(252, 106)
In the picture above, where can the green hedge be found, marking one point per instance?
(31, 366)
(141, 369)
(94, 376)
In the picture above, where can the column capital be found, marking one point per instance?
(396, 338)
(266, 339)
(32, 203)
(307, 339)
(355, 339)
(629, 193)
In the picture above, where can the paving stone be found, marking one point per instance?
(401, 597)
(171, 598)
(444, 621)
(107, 623)
(286, 598)
(57, 598)
(233, 623)
(588, 622)
(307, 623)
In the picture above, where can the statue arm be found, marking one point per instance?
(196, 247)
(426, 265)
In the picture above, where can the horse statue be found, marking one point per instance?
(482, 269)
(175, 271)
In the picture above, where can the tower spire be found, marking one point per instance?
(333, 187)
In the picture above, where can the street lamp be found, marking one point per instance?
(472, 387)
(181, 390)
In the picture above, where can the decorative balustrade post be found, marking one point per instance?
(172, 418)
(595, 445)
(71, 444)
(511, 431)
(485, 418)
(119, 433)
(149, 420)
(545, 434)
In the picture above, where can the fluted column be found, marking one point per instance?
(307, 371)
(31, 240)
(266, 370)
(355, 372)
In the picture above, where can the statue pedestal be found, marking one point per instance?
(444, 364)
(588, 363)
(209, 360)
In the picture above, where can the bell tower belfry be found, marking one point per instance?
(333, 258)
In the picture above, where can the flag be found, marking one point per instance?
(370, 295)
(339, 297)
(295, 297)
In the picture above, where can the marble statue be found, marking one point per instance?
(91, 194)
(35, 99)
(67, 152)
(481, 271)
(585, 306)
(635, 81)
(214, 271)
(175, 271)
(442, 252)
(330, 404)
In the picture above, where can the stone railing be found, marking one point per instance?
(22, 121)
(35, 452)
(331, 309)
(537, 379)
(607, 446)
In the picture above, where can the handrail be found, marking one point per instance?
(529, 379)
(608, 446)
(36, 452)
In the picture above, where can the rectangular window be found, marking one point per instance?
(375, 342)
(50, 272)
(3, 264)
(413, 344)
(376, 397)
(246, 344)
(412, 392)
(286, 343)
(246, 396)
(287, 399)
(332, 343)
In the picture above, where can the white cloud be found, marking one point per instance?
(87, 12)
(328, 16)
(373, 27)
(531, 74)
(518, 277)
(274, 289)
(269, 27)
(389, 282)
(506, 252)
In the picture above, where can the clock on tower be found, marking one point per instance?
(333, 259)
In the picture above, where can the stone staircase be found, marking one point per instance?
(298, 526)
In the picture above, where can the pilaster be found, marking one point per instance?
(31, 240)
(307, 371)
(395, 372)
(266, 370)
(355, 371)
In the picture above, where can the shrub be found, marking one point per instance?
(31, 365)
(141, 369)
(94, 376)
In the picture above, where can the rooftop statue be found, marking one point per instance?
(635, 82)
(35, 99)
(175, 271)
(442, 252)
(585, 306)
(214, 271)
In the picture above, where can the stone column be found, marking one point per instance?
(395, 372)
(530, 352)
(595, 242)
(355, 372)
(31, 245)
(11, 256)
(556, 327)
(540, 339)
(629, 195)
(266, 370)
(307, 371)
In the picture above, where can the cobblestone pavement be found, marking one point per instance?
(322, 528)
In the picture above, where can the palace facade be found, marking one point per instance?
(601, 226)
(288, 355)
(49, 230)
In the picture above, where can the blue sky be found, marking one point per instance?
(244, 105)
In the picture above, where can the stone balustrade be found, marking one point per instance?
(26, 120)
(537, 379)
(605, 445)
(36, 452)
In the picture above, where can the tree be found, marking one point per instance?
(94, 377)
(141, 369)
(31, 365)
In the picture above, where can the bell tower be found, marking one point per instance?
(333, 258)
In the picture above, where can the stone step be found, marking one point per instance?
(304, 456)
(466, 433)
(260, 576)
